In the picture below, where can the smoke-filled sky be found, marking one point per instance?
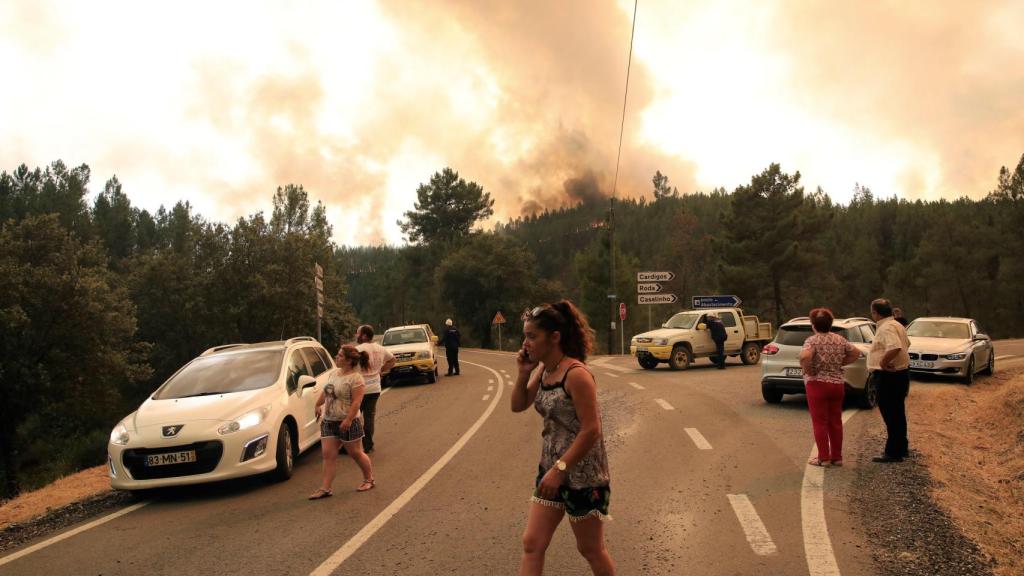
(219, 103)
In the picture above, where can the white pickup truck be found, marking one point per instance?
(685, 337)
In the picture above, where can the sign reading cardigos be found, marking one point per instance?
(656, 299)
(655, 276)
(716, 301)
(651, 288)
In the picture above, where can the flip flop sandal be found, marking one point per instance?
(320, 494)
(817, 462)
(365, 486)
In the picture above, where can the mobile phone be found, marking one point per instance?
(526, 354)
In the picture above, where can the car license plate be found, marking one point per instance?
(641, 349)
(794, 372)
(921, 364)
(183, 457)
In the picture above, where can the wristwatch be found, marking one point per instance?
(561, 465)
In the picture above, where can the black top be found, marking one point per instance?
(717, 330)
(451, 338)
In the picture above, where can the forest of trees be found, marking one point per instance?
(101, 301)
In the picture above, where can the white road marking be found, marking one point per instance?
(1004, 356)
(349, 548)
(487, 397)
(610, 375)
(664, 404)
(753, 528)
(698, 439)
(637, 386)
(616, 367)
(491, 381)
(385, 390)
(70, 533)
(821, 560)
(489, 388)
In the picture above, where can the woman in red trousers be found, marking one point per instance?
(822, 359)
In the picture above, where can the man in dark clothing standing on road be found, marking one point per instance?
(718, 335)
(450, 340)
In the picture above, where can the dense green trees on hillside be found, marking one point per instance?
(100, 303)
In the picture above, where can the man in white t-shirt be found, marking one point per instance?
(381, 362)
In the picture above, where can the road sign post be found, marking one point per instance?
(622, 333)
(318, 283)
(498, 320)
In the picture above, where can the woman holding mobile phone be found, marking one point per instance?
(573, 476)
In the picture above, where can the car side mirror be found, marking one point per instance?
(665, 325)
(980, 337)
(433, 339)
(702, 326)
(306, 382)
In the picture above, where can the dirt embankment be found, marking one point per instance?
(972, 440)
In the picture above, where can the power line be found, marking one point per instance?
(612, 295)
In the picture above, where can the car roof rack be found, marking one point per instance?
(219, 348)
(300, 339)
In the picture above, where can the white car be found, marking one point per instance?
(236, 410)
(955, 347)
(780, 360)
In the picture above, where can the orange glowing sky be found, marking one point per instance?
(219, 103)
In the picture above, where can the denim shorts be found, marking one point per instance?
(332, 429)
(578, 503)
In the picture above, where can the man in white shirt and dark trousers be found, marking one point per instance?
(889, 364)
(381, 362)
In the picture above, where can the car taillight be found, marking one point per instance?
(770, 350)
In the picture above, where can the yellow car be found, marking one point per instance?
(413, 348)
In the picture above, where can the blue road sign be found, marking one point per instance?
(716, 301)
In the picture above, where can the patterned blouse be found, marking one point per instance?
(561, 425)
(828, 351)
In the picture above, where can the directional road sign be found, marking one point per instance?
(716, 301)
(656, 299)
(655, 276)
(649, 288)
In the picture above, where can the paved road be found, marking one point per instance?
(691, 454)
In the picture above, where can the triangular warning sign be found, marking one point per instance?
(498, 318)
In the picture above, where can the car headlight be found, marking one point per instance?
(661, 342)
(423, 355)
(119, 435)
(957, 356)
(245, 421)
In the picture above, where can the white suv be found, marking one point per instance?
(780, 360)
(236, 410)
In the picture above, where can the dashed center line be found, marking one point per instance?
(757, 535)
(487, 397)
(490, 381)
(610, 375)
(637, 386)
(664, 404)
(489, 388)
(698, 439)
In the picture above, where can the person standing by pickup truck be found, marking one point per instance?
(451, 340)
(718, 336)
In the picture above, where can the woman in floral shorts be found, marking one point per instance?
(572, 478)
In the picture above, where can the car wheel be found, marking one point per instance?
(647, 363)
(868, 397)
(681, 358)
(770, 395)
(969, 376)
(751, 353)
(285, 453)
(990, 368)
(432, 377)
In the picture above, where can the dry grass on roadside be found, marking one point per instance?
(67, 490)
(973, 443)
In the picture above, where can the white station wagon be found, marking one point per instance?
(236, 410)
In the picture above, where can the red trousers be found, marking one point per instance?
(825, 401)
